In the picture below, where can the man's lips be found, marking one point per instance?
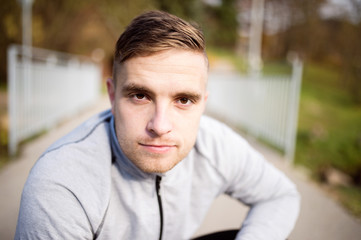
(158, 148)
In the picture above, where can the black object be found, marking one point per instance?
(224, 235)
(158, 179)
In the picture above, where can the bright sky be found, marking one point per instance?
(341, 7)
(213, 2)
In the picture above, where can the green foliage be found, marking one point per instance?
(10, 32)
(4, 158)
(238, 62)
(3, 133)
(329, 129)
(334, 41)
(219, 23)
(350, 52)
(222, 25)
(351, 198)
(81, 26)
(191, 10)
(329, 133)
(277, 68)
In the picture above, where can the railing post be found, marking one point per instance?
(12, 103)
(255, 39)
(295, 89)
(29, 114)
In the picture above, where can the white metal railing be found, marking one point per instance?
(47, 89)
(267, 107)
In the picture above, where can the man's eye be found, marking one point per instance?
(184, 101)
(138, 96)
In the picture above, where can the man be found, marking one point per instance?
(151, 167)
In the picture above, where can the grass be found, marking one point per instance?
(4, 159)
(329, 131)
(350, 197)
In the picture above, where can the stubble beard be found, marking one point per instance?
(150, 162)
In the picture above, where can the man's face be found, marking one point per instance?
(157, 104)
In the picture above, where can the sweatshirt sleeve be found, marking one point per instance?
(50, 210)
(273, 199)
(67, 192)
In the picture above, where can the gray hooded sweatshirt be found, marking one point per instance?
(84, 187)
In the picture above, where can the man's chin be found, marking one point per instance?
(162, 169)
(157, 167)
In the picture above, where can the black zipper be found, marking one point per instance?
(158, 179)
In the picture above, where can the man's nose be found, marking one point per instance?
(160, 122)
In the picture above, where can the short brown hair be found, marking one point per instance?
(156, 31)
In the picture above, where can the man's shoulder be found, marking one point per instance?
(81, 158)
(78, 165)
(216, 140)
(213, 131)
(220, 149)
(73, 175)
(83, 132)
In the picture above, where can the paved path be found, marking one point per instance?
(320, 218)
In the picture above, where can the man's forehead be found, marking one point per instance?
(181, 58)
(164, 78)
(175, 53)
(172, 62)
(177, 70)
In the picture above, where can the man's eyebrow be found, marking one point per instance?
(190, 95)
(135, 88)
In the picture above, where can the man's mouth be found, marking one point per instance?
(158, 148)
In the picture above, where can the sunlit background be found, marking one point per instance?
(259, 52)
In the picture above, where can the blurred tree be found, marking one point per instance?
(71, 26)
(10, 32)
(300, 28)
(350, 51)
(222, 25)
(191, 10)
(332, 41)
(328, 40)
(218, 21)
(81, 26)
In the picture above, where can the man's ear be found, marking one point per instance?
(205, 101)
(206, 97)
(111, 92)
